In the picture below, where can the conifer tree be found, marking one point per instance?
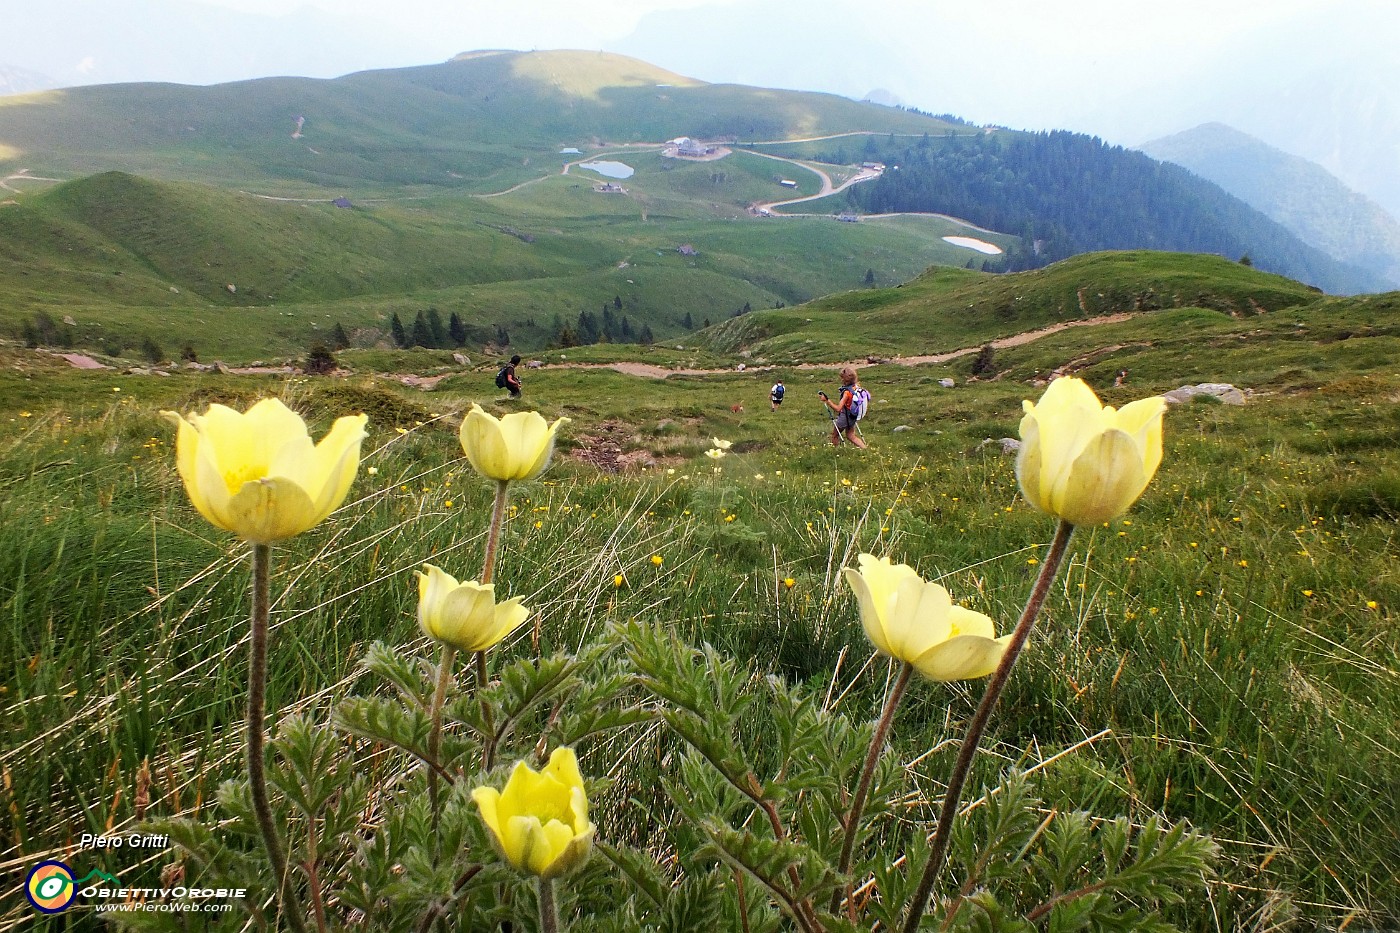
(319, 361)
(436, 328)
(457, 330)
(152, 351)
(397, 332)
(421, 335)
(340, 340)
(587, 328)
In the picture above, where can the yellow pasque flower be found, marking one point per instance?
(1083, 461)
(914, 621)
(515, 447)
(714, 453)
(539, 822)
(465, 615)
(258, 474)
(722, 445)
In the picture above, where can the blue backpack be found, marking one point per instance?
(778, 392)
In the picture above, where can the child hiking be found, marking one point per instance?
(775, 395)
(848, 409)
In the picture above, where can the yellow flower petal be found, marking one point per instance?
(258, 474)
(1085, 462)
(912, 620)
(539, 822)
(516, 447)
(465, 615)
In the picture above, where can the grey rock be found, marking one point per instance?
(1220, 390)
(1009, 445)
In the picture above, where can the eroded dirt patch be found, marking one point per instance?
(604, 446)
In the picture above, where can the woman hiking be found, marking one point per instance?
(845, 413)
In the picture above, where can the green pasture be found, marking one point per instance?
(1225, 653)
(127, 258)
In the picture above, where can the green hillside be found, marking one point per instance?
(205, 216)
(480, 123)
(949, 308)
(127, 257)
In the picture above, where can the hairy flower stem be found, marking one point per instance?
(867, 776)
(449, 655)
(444, 680)
(549, 910)
(493, 536)
(257, 701)
(978, 725)
(488, 571)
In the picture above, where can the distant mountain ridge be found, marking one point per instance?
(22, 81)
(1066, 194)
(463, 195)
(480, 122)
(1301, 195)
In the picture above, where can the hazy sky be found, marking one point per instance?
(1316, 77)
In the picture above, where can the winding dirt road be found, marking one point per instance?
(651, 371)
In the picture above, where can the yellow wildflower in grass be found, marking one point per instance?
(258, 474)
(714, 453)
(618, 580)
(516, 447)
(1083, 461)
(915, 621)
(465, 615)
(539, 821)
(656, 560)
(789, 582)
(722, 445)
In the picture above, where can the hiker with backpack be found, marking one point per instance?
(775, 395)
(852, 403)
(507, 379)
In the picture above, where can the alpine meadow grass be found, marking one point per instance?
(1224, 654)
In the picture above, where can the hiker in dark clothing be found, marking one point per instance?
(507, 379)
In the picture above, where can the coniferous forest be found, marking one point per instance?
(1066, 193)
